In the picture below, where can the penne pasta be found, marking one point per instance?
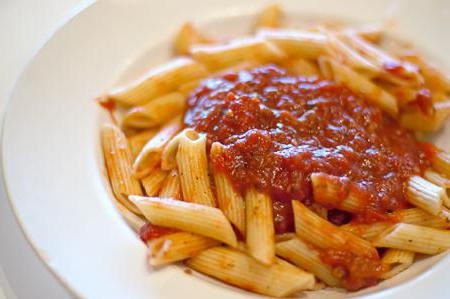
(150, 156)
(325, 67)
(366, 231)
(169, 154)
(189, 217)
(434, 79)
(391, 68)
(323, 234)
(372, 32)
(284, 237)
(118, 164)
(301, 67)
(337, 192)
(304, 256)
(153, 182)
(138, 141)
(294, 43)
(280, 279)
(229, 200)
(361, 85)
(171, 186)
(426, 195)
(414, 238)
(437, 178)
(221, 56)
(133, 220)
(188, 87)
(270, 17)
(348, 56)
(176, 247)
(158, 82)
(156, 112)
(399, 260)
(416, 120)
(188, 36)
(260, 234)
(441, 162)
(193, 169)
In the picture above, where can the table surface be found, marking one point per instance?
(25, 25)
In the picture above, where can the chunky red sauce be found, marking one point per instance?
(150, 231)
(278, 129)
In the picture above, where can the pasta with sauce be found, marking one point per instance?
(289, 154)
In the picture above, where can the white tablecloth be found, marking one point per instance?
(24, 26)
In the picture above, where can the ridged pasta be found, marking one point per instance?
(260, 234)
(171, 186)
(280, 279)
(153, 182)
(156, 112)
(118, 163)
(150, 156)
(189, 217)
(193, 169)
(323, 234)
(302, 255)
(159, 81)
(399, 260)
(425, 195)
(176, 247)
(229, 200)
(414, 238)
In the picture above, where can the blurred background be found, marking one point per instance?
(25, 25)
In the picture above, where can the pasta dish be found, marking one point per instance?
(284, 161)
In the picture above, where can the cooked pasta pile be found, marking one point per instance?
(284, 158)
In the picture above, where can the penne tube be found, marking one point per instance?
(414, 238)
(392, 69)
(361, 85)
(138, 141)
(415, 216)
(284, 237)
(372, 32)
(437, 178)
(348, 56)
(133, 220)
(270, 17)
(150, 156)
(153, 182)
(304, 256)
(229, 200)
(221, 56)
(294, 43)
(301, 67)
(337, 192)
(158, 82)
(399, 260)
(441, 162)
(416, 120)
(176, 247)
(169, 154)
(420, 217)
(323, 234)
(280, 279)
(189, 217)
(260, 235)
(366, 231)
(188, 87)
(325, 67)
(156, 112)
(118, 164)
(171, 186)
(425, 195)
(193, 169)
(188, 36)
(434, 79)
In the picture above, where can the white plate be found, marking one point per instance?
(51, 157)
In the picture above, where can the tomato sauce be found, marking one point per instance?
(150, 231)
(278, 129)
